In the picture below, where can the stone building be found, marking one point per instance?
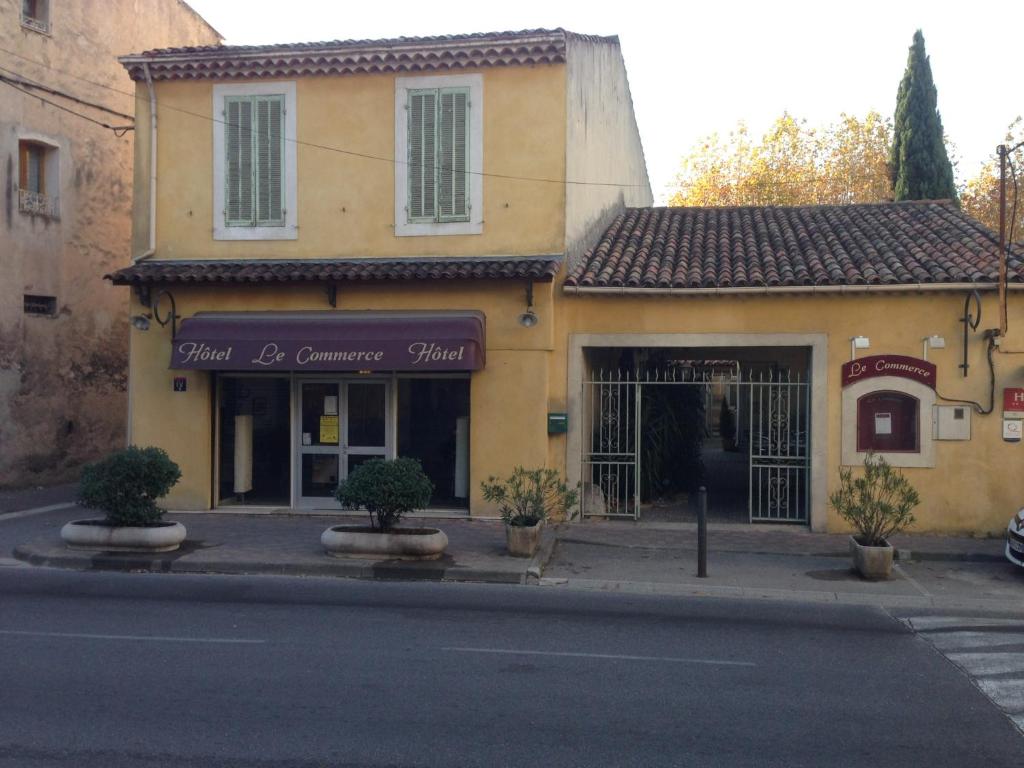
(66, 220)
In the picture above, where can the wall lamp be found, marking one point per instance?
(932, 342)
(529, 318)
(858, 342)
(141, 322)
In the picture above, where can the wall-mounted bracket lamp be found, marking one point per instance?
(141, 322)
(932, 342)
(529, 318)
(858, 342)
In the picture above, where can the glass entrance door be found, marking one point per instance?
(341, 424)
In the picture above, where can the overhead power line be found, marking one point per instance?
(119, 130)
(324, 147)
(21, 80)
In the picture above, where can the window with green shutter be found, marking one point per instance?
(438, 155)
(254, 161)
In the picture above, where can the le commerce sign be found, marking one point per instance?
(912, 368)
(330, 342)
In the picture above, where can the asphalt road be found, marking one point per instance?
(102, 669)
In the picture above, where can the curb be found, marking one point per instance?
(385, 570)
(540, 561)
(995, 605)
(901, 553)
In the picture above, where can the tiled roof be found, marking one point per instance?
(890, 244)
(336, 57)
(538, 268)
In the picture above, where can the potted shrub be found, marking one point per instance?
(526, 499)
(126, 486)
(877, 505)
(387, 490)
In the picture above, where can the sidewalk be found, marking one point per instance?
(771, 562)
(763, 562)
(289, 545)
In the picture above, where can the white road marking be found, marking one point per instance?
(156, 638)
(611, 656)
(947, 641)
(925, 623)
(10, 562)
(36, 511)
(1008, 694)
(994, 663)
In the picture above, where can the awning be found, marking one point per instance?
(330, 341)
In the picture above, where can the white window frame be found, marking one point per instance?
(290, 230)
(475, 225)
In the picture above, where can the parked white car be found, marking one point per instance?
(1015, 539)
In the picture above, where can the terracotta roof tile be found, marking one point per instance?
(537, 268)
(774, 247)
(339, 57)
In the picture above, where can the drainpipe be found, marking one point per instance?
(152, 166)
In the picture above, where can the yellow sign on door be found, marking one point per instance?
(328, 430)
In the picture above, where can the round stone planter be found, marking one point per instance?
(523, 540)
(396, 544)
(99, 535)
(873, 563)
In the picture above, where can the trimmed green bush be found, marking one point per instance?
(386, 489)
(878, 504)
(126, 485)
(529, 496)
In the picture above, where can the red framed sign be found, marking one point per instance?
(1013, 399)
(913, 368)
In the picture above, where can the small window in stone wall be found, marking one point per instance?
(35, 15)
(888, 422)
(40, 305)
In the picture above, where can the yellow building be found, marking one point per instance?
(442, 248)
(387, 212)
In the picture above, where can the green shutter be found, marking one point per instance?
(422, 109)
(453, 155)
(254, 162)
(238, 162)
(269, 151)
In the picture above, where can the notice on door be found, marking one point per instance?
(328, 430)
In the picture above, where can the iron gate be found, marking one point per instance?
(772, 423)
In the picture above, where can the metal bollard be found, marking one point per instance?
(702, 533)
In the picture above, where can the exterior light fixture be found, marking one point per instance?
(858, 342)
(932, 342)
(141, 322)
(529, 318)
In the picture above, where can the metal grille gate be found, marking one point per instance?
(774, 430)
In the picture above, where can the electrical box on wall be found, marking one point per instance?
(951, 422)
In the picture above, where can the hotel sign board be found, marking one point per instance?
(912, 368)
(1013, 400)
(330, 342)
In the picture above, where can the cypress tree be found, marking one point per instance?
(920, 166)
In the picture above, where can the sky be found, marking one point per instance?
(699, 68)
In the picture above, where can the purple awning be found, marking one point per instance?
(331, 341)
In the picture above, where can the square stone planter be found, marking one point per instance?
(523, 540)
(873, 563)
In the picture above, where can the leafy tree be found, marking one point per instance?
(793, 164)
(980, 195)
(920, 166)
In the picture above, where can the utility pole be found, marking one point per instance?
(1001, 151)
